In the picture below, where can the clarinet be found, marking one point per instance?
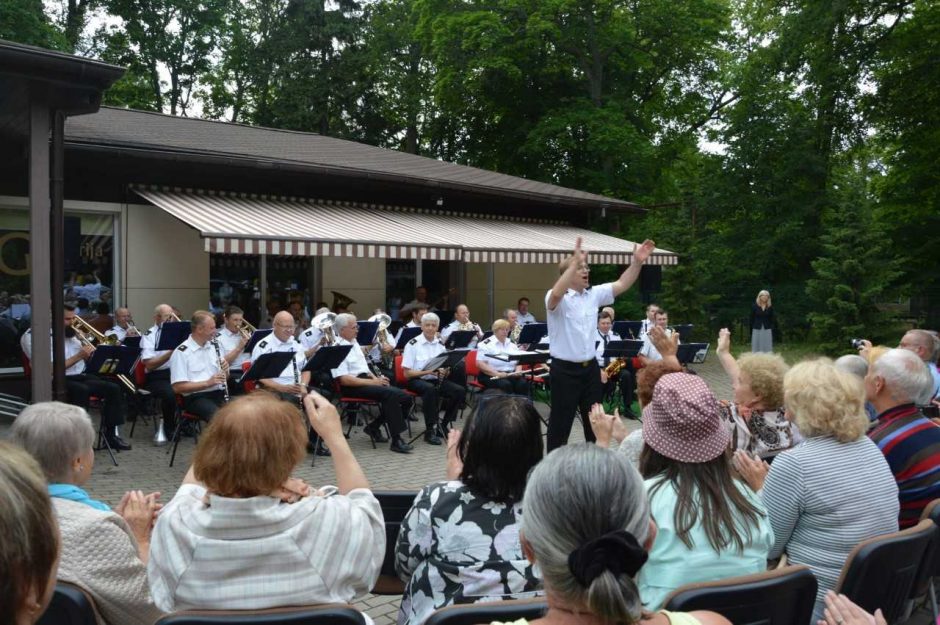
(218, 354)
(293, 361)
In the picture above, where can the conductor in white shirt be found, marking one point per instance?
(572, 320)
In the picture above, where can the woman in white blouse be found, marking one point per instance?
(241, 534)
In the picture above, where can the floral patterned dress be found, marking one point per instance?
(762, 432)
(456, 547)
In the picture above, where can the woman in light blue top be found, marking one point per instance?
(710, 525)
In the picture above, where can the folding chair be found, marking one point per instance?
(70, 605)
(395, 505)
(327, 614)
(488, 612)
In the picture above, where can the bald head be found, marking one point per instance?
(284, 325)
(162, 313)
(922, 343)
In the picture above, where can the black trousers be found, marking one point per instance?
(158, 383)
(516, 385)
(574, 385)
(431, 395)
(393, 401)
(81, 387)
(312, 435)
(205, 404)
(627, 381)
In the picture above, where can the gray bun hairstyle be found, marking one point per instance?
(576, 495)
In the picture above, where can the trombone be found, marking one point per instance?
(83, 329)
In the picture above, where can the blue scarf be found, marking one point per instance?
(74, 493)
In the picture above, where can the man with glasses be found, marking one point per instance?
(572, 320)
(357, 380)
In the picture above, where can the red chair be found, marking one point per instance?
(402, 382)
(473, 371)
(249, 385)
(349, 409)
(182, 416)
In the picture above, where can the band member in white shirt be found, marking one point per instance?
(462, 322)
(524, 315)
(157, 365)
(198, 369)
(650, 320)
(649, 353)
(80, 385)
(511, 315)
(357, 380)
(123, 325)
(432, 385)
(497, 373)
(233, 340)
(626, 378)
(572, 321)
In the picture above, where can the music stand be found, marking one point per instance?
(694, 353)
(460, 339)
(394, 327)
(328, 357)
(532, 333)
(131, 341)
(446, 316)
(623, 349)
(406, 335)
(685, 331)
(113, 360)
(267, 366)
(628, 329)
(172, 334)
(444, 360)
(256, 336)
(367, 330)
(487, 335)
(527, 358)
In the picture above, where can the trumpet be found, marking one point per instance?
(83, 329)
(246, 329)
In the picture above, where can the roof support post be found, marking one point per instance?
(40, 277)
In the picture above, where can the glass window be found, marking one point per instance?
(399, 285)
(234, 280)
(89, 272)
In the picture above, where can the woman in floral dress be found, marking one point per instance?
(459, 542)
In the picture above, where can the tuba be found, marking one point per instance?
(324, 323)
(382, 335)
(341, 301)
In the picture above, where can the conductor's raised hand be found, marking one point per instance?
(578, 257)
(643, 251)
(322, 416)
(724, 340)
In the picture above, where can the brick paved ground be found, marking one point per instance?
(146, 468)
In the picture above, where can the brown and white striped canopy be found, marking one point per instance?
(244, 224)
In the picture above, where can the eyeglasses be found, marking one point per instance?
(285, 326)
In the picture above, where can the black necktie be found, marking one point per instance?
(606, 358)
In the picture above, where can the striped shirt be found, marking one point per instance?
(824, 497)
(256, 553)
(911, 443)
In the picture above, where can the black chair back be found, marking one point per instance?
(882, 571)
(70, 605)
(932, 512)
(783, 596)
(495, 611)
(395, 505)
(333, 614)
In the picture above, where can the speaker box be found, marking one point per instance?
(651, 278)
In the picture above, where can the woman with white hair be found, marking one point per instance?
(762, 323)
(103, 551)
(587, 528)
(835, 489)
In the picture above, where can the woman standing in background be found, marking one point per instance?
(762, 323)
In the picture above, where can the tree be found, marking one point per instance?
(24, 21)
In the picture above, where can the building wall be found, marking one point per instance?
(164, 262)
(511, 282)
(362, 279)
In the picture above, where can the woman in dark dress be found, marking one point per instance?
(762, 323)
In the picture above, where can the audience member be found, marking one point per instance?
(587, 528)
(835, 489)
(927, 347)
(857, 366)
(707, 518)
(241, 534)
(896, 383)
(103, 551)
(755, 416)
(30, 547)
(459, 543)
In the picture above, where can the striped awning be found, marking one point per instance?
(244, 224)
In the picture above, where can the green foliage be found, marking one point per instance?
(24, 21)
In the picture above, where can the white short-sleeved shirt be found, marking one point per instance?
(649, 350)
(192, 362)
(524, 318)
(229, 340)
(354, 363)
(453, 325)
(410, 324)
(611, 336)
(572, 326)
(645, 327)
(419, 351)
(490, 346)
(148, 347)
(72, 347)
(270, 344)
(117, 331)
(310, 338)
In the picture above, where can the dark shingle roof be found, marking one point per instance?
(140, 129)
